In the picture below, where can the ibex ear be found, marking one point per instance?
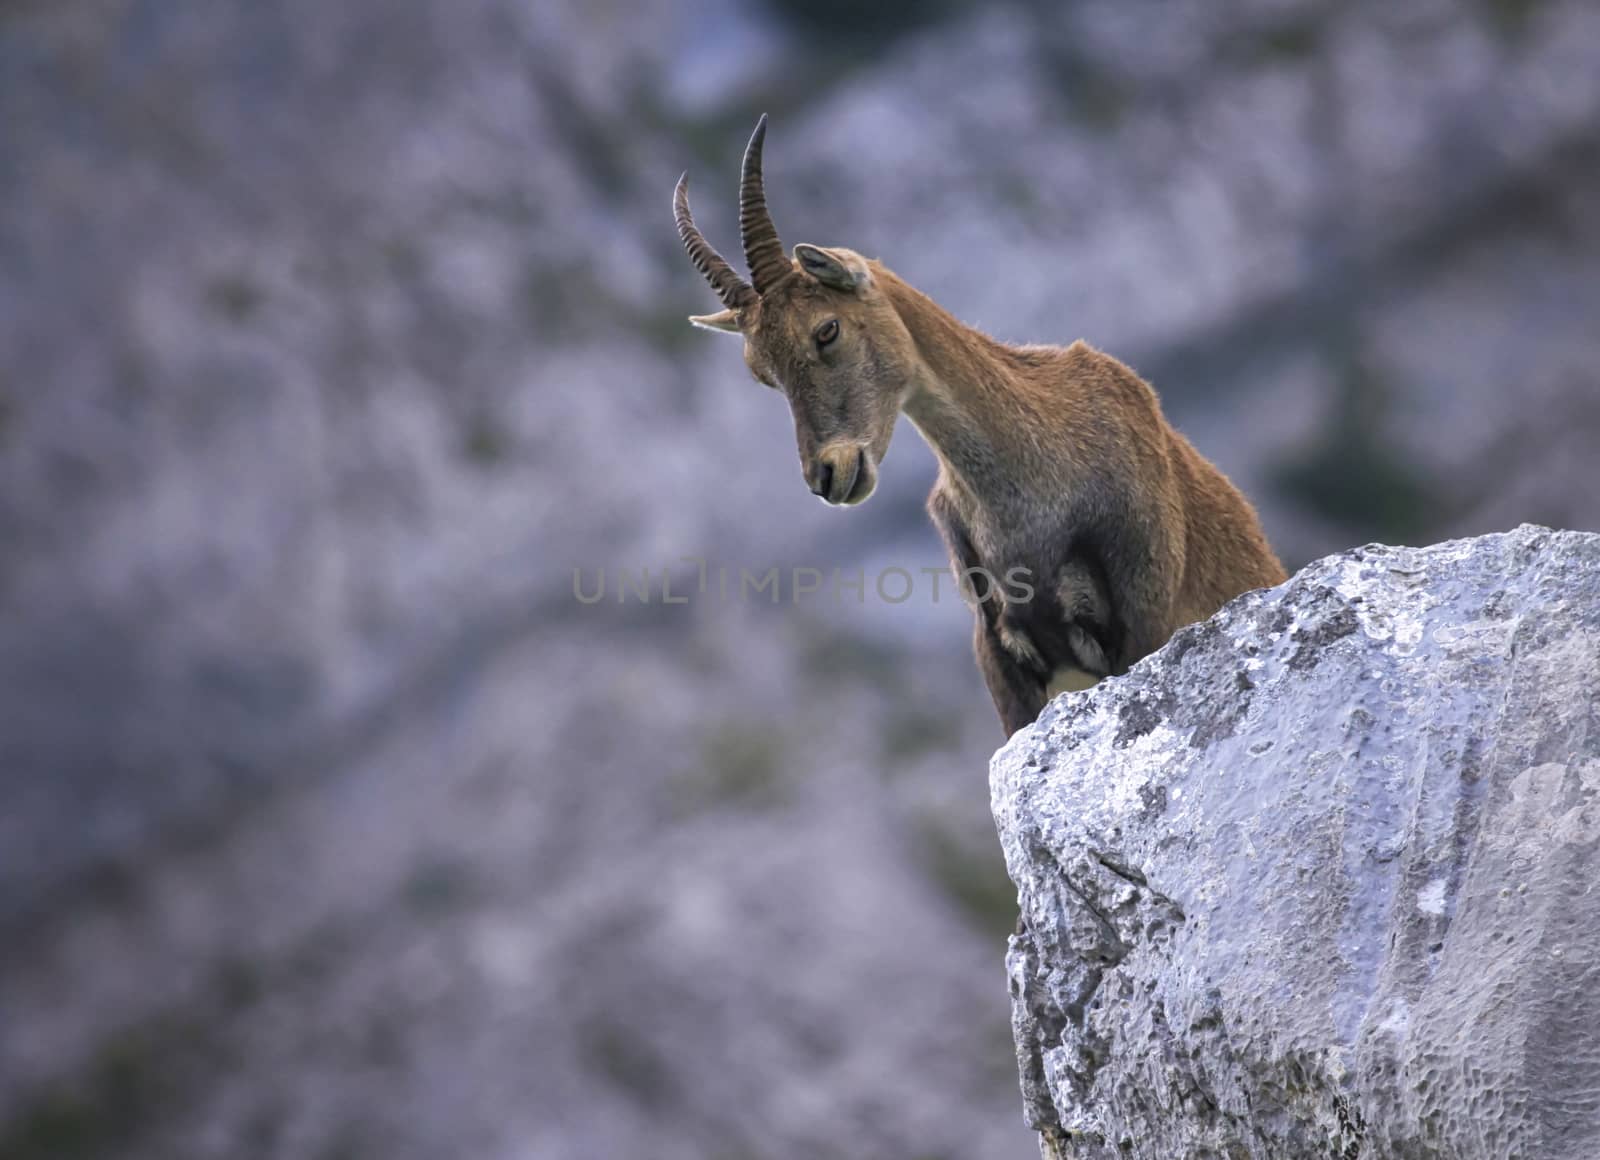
(724, 320)
(837, 268)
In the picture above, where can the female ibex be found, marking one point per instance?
(1052, 460)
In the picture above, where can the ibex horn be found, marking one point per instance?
(763, 252)
(734, 291)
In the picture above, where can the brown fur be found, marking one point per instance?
(1054, 460)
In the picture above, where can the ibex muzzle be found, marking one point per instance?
(815, 327)
(842, 474)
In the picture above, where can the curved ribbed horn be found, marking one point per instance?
(763, 252)
(734, 291)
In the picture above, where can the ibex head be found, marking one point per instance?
(816, 328)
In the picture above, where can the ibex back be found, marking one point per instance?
(1055, 461)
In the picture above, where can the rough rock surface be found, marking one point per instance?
(1319, 879)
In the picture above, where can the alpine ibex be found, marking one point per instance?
(1053, 460)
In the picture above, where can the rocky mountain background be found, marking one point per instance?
(336, 336)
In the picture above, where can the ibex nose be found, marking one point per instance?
(841, 474)
(824, 480)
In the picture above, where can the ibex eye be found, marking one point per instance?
(827, 332)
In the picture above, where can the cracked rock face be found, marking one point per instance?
(1322, 877)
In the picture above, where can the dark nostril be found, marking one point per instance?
(824, 482)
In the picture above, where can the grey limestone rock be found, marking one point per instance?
(1322, 877)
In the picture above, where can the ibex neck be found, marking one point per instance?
(965, 400)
